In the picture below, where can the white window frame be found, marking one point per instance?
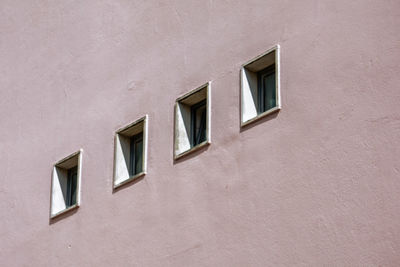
(59, 174)
(182, 144)
(122, 151)
(248, 85)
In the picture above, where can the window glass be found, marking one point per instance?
(199, 123)
(71, 186)
(269, 91)
(136, 154)
(266, 90)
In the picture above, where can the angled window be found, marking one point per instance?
(130, 152)
(192, 121)
(260, 86)
(65, 187)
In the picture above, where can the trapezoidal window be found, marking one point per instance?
(260, 86)
(65, 187)
(130, 152)
(192, 121)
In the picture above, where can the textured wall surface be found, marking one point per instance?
(316, 184)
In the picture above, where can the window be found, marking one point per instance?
(65, 188)
(71, 186)
(130, 152)
(260, 86)
(198, 123)
(136, 162)
(192, 121)
(266, 89)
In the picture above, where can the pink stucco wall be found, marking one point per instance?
(316, 184)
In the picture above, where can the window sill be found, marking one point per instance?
(75, 206)
(193, 149)
(259, 116)
(134, 177)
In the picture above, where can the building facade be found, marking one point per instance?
(139, 112)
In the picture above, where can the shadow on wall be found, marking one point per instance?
(259, 121)
(63, 215)
(128, 184)
(192, 154)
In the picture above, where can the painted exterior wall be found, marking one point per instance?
(316, 184)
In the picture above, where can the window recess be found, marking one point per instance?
(260, 86)
(192, 121)
(65, 185)
(130, 152)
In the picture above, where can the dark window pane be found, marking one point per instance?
(136, 154)
(198, 127)
(266, 89)
(71, 186)
(200, 124)
(269, 91)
